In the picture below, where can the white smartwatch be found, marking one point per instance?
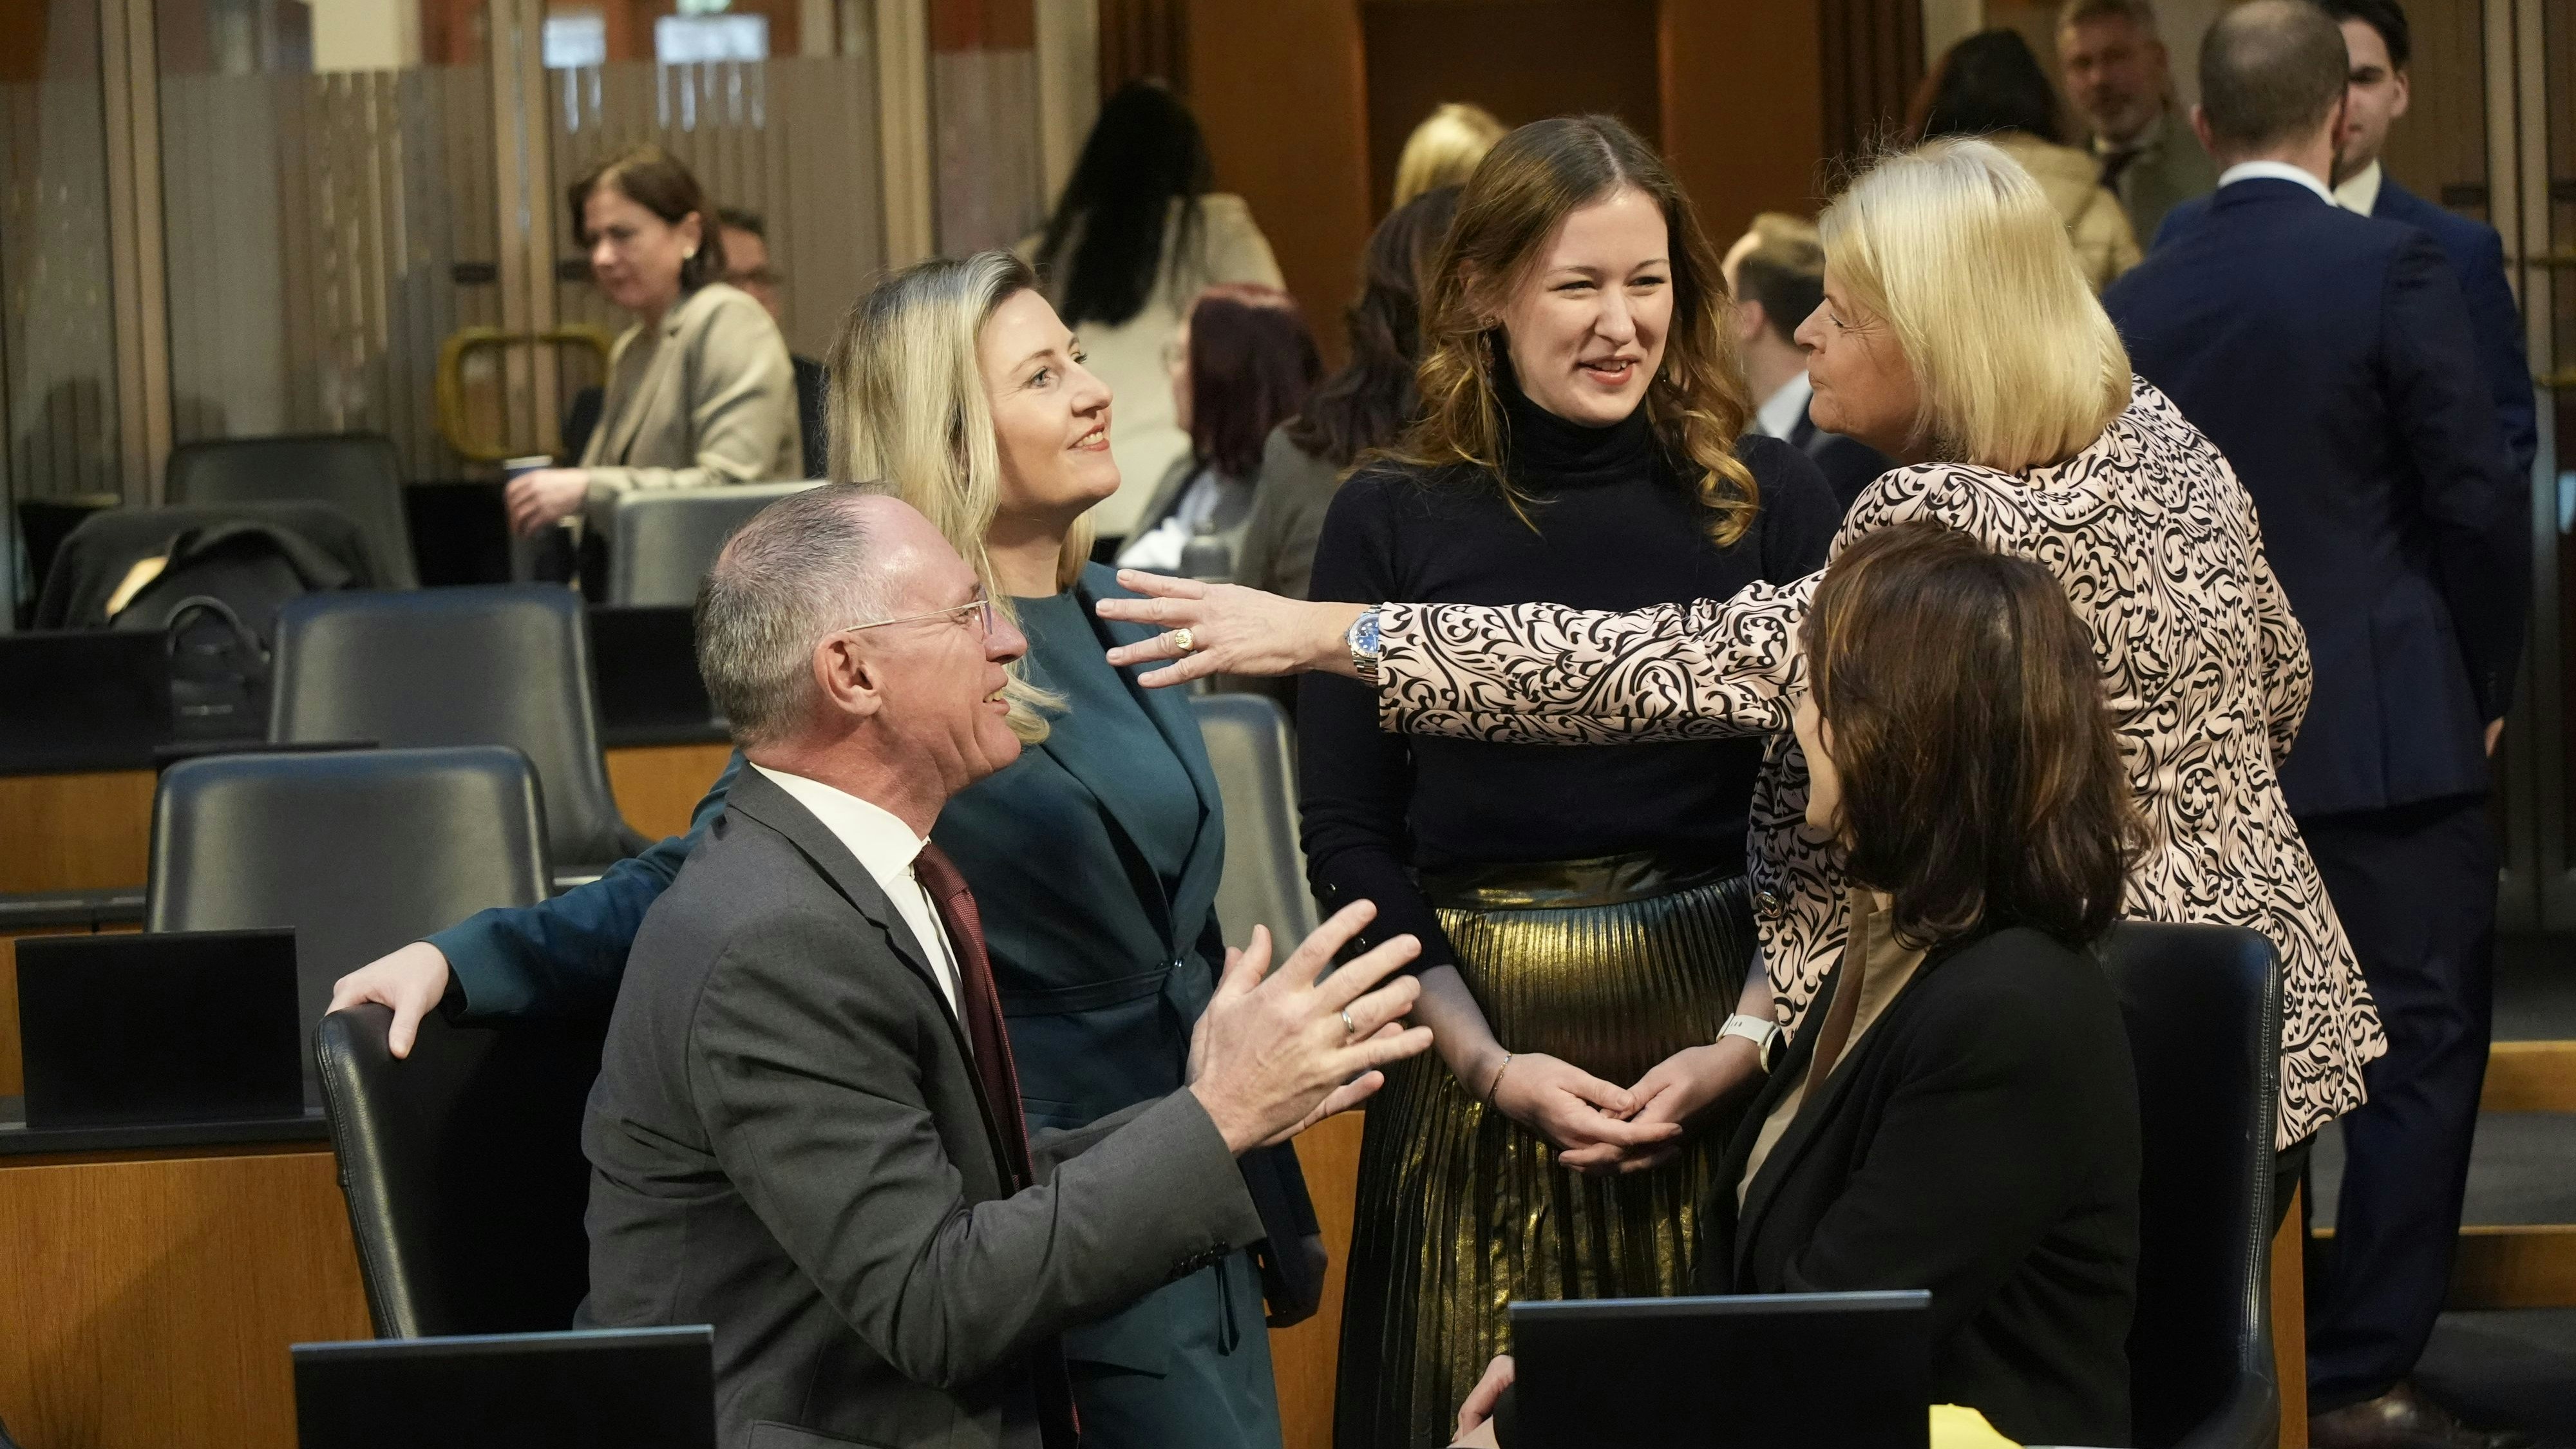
(1762, 1031)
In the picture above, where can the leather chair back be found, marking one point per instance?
(463, 1169)
(661, 544)
(505, 664)
(356, 472)
(360, 851)
(2203, 1008)
(1256, 774)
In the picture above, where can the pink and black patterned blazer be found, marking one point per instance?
(2204, 669)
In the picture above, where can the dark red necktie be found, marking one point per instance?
(979, 1006)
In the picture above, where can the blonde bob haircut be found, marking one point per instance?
(1444, 149)
(910, 415)
(1959, 252)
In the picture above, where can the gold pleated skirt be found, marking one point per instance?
(1611, 964)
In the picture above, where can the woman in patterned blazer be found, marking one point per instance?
(1957, 334)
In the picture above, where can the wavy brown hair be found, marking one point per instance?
(1981, 784)
(1698, 401)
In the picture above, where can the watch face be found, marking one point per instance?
(1364, 633)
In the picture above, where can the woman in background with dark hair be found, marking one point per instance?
(1242, 365)
(1990, 85)
(1964, 1117)
(1362, 407)
(699, 391)
(1136, 236)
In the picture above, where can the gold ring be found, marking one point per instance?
(1180, 641)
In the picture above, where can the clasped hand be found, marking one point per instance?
(1599, 1128)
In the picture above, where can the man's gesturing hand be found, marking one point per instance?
(1271, 1055)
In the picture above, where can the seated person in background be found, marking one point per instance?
(806, 1129)
(747, 266)
(699, 390)
(1960, 1114)
(1241, 365)
(1777, 272)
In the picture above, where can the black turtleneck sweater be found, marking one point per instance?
(1617, 528)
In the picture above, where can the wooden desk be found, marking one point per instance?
(150, 1297)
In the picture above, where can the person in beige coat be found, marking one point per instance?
(700, 391)
(1990, 85)
(1135, 238)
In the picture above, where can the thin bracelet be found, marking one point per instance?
(1496, 1084)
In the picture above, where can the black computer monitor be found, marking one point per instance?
(628, 1388)
(1818, 1370)
(83, 699)
(163, 1027)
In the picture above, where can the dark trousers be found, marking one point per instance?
(2416, 889)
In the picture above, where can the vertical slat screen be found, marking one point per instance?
(1872, 54)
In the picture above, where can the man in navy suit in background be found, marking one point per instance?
(2330, 357)
(2379, 44)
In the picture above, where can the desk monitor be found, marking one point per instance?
(628, 1388)
(83, 699)
(163, 1027)
(645, 659)
(1818, 1370)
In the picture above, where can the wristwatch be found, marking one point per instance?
(1363, 641)
(1762, 1031)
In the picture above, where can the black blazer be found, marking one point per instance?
(1980, 1141)
(1849, 465)
(2329, 356)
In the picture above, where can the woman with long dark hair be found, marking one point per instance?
(1583, 913)
(1242, 365)
(1990, 85)
(1364, 406)
(1136, 236)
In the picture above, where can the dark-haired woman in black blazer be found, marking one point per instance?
(1960, 1114)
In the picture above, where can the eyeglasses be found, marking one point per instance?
(982, 607)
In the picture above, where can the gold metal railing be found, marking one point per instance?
(453, 423)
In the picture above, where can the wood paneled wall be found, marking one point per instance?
(1870, 59)
(1743, 108)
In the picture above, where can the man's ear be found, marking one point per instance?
(2200, 128)
(1752, 319)
(850, 678)
(2405, 93)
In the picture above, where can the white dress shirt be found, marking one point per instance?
(2360, 191)
(2277, 171)
(886, 849)
(1778, 416)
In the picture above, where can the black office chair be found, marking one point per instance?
(1256, 774)
(463, 1169)
(661, 544)
(360, 851)
(356, 472)
(2203, 1008)
(501, 665)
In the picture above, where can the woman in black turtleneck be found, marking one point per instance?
(1583, 911)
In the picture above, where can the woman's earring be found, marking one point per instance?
(689, 255)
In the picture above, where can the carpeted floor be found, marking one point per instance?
(2509, 1369)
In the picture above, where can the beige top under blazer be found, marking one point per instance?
(2095, 222)
(708, 399)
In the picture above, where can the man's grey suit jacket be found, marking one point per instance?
(788, 1142)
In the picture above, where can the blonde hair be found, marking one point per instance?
(1444, 149)
(909, 415)
(1958, 250)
